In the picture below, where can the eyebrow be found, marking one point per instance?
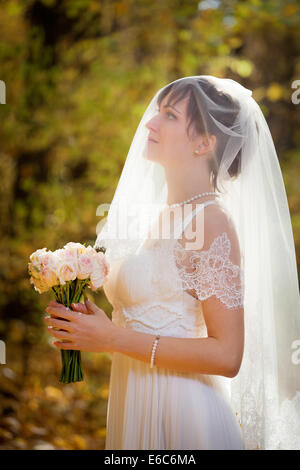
(170, 106)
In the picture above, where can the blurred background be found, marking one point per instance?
(79, 75)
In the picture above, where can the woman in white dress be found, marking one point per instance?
(204, 284)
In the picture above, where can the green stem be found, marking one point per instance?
(61, 294)
(71, 359)
(75, 289)
(68, 304)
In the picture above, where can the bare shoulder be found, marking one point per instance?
(217, 219)
(216, 224)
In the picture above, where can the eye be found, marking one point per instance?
(171, 114)
(168, 113)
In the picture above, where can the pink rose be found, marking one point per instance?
(48, 271)
(67, 265)
(100, 271)
(75, 248)
(85, 265)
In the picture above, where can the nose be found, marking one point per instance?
(152, 124)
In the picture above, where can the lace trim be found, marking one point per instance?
(213, 272)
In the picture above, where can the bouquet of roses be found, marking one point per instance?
(68, 271)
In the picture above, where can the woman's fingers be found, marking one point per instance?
(63, 325)
(62, 313)
(66, 345)
(55, 309)
(59, 334)
(54, 304)
(79, 308)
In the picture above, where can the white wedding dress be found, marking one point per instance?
(161, 408)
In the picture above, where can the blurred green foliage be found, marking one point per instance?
(79, 75)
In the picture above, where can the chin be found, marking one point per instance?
(152, 155)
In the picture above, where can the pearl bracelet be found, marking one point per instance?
(154, 350)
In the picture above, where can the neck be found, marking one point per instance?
(185, 185)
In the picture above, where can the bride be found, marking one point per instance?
(203, 281)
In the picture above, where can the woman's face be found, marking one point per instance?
(169, 129)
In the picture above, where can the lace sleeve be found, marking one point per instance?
(211, 272)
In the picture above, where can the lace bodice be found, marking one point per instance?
(161, 288)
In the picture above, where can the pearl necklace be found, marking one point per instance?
(177, 204)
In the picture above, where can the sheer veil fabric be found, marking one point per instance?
(266, 392)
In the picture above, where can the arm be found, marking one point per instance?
(218, 354)
(97, 333)
(190, 355)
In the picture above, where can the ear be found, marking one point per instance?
(208, 143)
(213, 142)
(205, 144)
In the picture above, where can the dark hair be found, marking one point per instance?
(201, 121)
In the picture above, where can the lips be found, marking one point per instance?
(152, 140)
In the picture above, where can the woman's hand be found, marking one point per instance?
(86, 327)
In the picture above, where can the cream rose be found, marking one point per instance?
(43, 270)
